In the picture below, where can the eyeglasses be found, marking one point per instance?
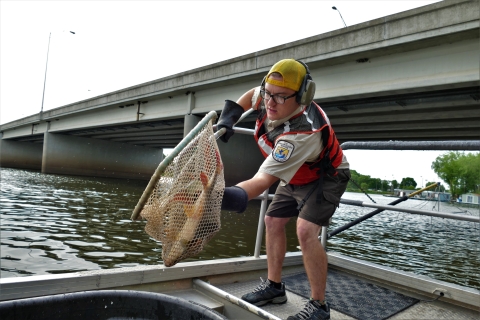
(277, 98)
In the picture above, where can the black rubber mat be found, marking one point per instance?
(353, 297)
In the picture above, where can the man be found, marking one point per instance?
(301, 150)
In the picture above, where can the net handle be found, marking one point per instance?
(168, 159)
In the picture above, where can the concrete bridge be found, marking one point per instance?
(412, 76)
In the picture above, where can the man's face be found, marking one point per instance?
(277, 111)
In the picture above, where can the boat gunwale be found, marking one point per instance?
(41, 285)
(142, 277)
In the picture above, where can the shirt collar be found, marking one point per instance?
(272, 124)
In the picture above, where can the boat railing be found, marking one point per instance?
(473, 145)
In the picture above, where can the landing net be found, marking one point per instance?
(183, 208)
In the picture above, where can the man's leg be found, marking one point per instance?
(268, 291)
(314, 257)
(276, 244)
(315, 262)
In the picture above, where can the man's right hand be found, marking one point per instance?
(230, 114)
(234, 199)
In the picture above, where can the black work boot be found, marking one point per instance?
(313, 311)
(266, 293)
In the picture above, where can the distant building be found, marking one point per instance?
(425, 195)
(472, 198)
(402, 192)
(436, 196)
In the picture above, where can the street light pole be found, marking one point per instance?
(46, 66)
(335, 8)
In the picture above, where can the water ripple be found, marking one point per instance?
(54, 224)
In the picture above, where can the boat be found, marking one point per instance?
(436, 196)
(218, 285)
(212, 289)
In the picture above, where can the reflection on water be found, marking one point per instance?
(57, 224)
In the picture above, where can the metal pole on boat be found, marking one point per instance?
(323, 236)
(371, 214)
(414, 211)
(220, 294)
(261, 224)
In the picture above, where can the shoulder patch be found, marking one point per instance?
(283, 151)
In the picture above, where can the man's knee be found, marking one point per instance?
(274, 223)
(307, 231)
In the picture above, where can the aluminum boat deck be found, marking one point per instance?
(218, 284)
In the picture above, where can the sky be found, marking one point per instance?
(118, 44)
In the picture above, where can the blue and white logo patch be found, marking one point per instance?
(283, 151)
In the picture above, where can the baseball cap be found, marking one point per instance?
(292, 73)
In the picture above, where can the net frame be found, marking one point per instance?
(193, 210)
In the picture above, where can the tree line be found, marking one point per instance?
(360, 182)
(459, 171)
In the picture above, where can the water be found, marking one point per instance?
(56, 224)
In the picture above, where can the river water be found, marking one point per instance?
(54, 224)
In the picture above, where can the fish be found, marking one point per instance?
(194, 213)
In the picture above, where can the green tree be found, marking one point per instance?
(353, 184)
(385, 185)
(375, 183)
(394, 184)
(365, 180)
(429, 183)
(470, 172)
(408, 183)
(460, 171)
(446, 167)
(440, 187)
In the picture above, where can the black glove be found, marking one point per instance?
(230, 114)
(234, 199)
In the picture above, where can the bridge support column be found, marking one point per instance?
(241, 158)
(64, 154)
(21, 155)
(190, 123)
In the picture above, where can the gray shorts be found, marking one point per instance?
(287, 198)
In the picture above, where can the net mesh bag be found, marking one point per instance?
(183, 210)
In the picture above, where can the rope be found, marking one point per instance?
(441, 294)
(362, 190)
(462, 210)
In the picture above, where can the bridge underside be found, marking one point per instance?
(452, 114)
(413, 76)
